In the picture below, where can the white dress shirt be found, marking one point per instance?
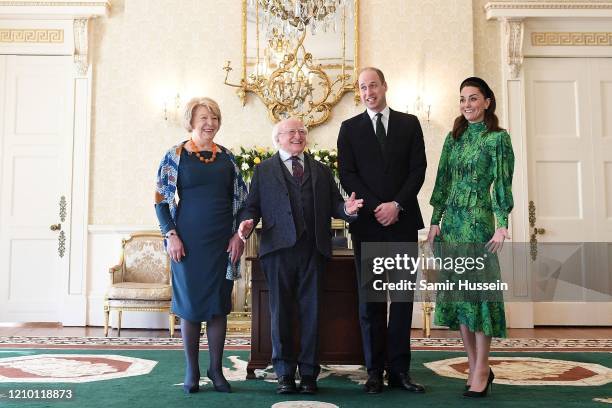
(385, 118)
(286, 158)
(385, 121)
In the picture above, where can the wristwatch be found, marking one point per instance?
(169, 234)
(399, 207)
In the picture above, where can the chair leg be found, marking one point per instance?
(119, 323)
(171, 321)
(106, 318)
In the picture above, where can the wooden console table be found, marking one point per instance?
(339, 332)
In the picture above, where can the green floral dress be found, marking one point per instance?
(467, 205)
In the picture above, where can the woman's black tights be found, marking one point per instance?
(215, 332)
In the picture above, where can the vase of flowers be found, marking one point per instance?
(248, 158)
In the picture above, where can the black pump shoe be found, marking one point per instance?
(222, 385)
(483, 393)
(191, 388)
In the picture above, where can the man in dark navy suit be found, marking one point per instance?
(381, 157)
(295, 196)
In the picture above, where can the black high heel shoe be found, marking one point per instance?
(193, 388)
(483, 393)
(223, 385)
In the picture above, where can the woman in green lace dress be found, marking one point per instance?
(476, 156)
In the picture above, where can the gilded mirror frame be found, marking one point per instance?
(333, 86)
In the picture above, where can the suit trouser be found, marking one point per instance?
(293, 276)
(385, 342)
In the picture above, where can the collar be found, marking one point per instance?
(286, 156)
(385, 112)
(477, 127)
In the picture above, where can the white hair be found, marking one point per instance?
(276, 130)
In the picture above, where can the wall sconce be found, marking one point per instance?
(421, 110)
(171, 109)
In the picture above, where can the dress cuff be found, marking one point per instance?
(502, 220)
(436, 216)
(351, 217)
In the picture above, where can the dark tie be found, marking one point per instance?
(297, 168)
(380, 130)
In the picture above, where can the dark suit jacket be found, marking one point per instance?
(268, 199)
(396, 174)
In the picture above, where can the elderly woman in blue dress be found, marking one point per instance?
(201, 237)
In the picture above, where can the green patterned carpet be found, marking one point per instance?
(151, 379)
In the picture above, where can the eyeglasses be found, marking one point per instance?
(293, 132)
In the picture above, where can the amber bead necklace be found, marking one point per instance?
(196, 151)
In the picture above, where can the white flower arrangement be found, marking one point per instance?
(248, 158)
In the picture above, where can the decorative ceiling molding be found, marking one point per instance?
(53, 3)
(76, 13)
(513, 15)
(53, 10)
(506, 9)
(545, 5)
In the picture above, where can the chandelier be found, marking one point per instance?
(302, 13)
(285, 75)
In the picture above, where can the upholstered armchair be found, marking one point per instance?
(141, 282)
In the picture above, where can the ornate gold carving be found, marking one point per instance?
(31, 35)
(62, 208)
(61, 247)
(514, 42)
(239, 322)
(295, 83)
(542, 39)
(533, 241)
(532, 214)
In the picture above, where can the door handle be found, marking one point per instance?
(55, 227)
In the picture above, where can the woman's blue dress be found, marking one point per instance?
(204, 224)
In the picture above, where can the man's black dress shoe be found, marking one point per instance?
(374, 384)
(286, 385)
(402, 380)
(308, 385)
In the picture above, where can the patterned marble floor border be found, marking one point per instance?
(235, 342)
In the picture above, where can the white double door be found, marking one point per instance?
(36, 150)
(569, 139)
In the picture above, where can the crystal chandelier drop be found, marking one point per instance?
(302, 13)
